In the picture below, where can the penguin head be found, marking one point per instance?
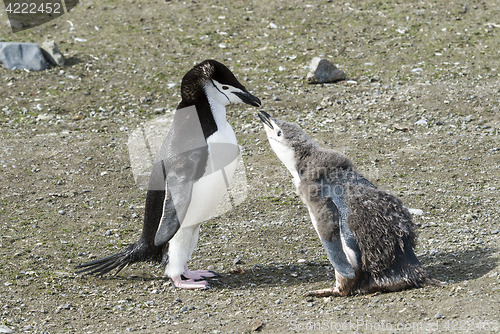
(217, 82)
(290, 143)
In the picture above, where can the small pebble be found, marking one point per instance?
(63, 307)
(256, 325)
(416, 212)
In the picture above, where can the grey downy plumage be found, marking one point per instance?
(368, 233)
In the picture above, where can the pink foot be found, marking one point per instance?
(198, 274)
(189, 284)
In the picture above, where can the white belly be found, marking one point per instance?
(207, 193)
(210, 189)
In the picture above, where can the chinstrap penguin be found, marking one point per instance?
(192, 172)
(367, 233)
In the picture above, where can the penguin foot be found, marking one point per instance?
(189, 284)
(198, 274)
(324, 293)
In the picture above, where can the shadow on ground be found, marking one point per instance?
(451, 267)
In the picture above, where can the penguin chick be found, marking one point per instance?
(368, 234)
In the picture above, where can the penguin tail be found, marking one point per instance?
(133, 253)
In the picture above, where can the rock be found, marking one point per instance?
(416, 212)
(322, 71)
(237, 270)
(5, 329)
(256, 325)
(421, 122)
(16, 25)
(20, 56)
(63, 307)
(52, 53)
(400, 128)
(44, 117)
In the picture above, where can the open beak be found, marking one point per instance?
(266, 119)
(248, 98)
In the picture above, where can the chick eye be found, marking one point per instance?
(225, 87)
(278, 133)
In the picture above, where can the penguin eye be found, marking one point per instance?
(278, 133)
(225, 87)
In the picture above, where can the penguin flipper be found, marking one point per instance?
(169, 223)
(179, 186)
(337, 257)
(335, 240)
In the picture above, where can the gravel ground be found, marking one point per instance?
(419, 116)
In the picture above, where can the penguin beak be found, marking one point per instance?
(266, 119)
(248, 98)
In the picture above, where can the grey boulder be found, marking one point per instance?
(22, 56)
(323, 71)
(52, 53)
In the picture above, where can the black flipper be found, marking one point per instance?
(180, 179)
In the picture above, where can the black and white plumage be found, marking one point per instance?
(192, 172)
(367, 233)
